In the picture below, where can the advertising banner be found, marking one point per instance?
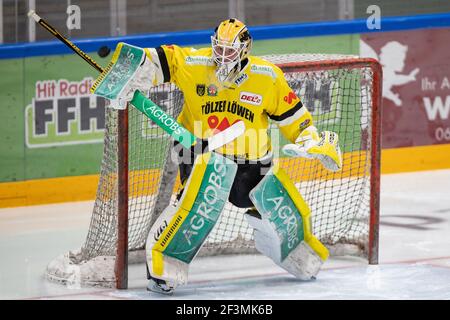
(416, 85)
(53, 126)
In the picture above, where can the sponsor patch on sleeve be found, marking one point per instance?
(241, 79)
(267, 70)
(199, 60)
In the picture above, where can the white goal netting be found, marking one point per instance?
(339, 96)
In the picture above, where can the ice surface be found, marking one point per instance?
(414, 255)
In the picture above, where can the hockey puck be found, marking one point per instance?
(103, 51)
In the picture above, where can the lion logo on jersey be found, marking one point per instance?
(201, 88)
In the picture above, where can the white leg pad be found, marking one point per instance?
(303, 262)
(266, 238)
(175, 271)
(179, 232)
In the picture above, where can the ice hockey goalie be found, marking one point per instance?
(223, 84)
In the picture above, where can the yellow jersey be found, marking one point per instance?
(259, 93)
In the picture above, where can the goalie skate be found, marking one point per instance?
(159, 286)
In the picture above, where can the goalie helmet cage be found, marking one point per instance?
(138, 178)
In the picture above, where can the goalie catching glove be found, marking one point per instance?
(324, 146)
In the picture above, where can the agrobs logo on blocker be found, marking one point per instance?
(64, 112)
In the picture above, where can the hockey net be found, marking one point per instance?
(343, 95)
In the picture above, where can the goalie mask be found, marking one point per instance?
(231, 44)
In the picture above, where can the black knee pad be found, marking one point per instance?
(247, 177)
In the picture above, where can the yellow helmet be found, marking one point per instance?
(231, 44)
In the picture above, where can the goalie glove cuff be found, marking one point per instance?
(308, 134)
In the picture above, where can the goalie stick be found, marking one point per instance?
(150, 109)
